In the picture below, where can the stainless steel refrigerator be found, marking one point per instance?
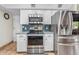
(67, 44)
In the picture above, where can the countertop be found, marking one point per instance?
(35, 34)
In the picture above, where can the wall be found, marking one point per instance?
(16, 26)
(5, 28)
(38, 6)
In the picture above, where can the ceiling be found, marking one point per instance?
(23, 6)
(15, 8)
(43, 6)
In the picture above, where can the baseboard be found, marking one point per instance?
(6, 44)
(50, 51)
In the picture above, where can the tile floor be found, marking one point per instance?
(11, 50)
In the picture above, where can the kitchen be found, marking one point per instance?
(38, 28)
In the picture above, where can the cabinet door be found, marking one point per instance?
(48, 42)
(23, 17)
(21, 44)
(47, 17)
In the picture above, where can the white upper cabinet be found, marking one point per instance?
(46, 14)
(23, 17)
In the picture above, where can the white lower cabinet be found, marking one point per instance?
(48, 41)
(21, 43)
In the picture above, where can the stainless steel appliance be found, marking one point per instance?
(35, 28)
(68, 43)
(65, 45)
(65, 23)
(35, 24)
(35, 42)
(65, 42)
(35, 45)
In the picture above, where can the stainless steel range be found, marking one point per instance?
(35, 44)
(35, 41)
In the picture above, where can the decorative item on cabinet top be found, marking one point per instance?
(25, 27)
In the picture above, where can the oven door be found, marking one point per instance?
(35, 45)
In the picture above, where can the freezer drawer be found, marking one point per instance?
(65, 49)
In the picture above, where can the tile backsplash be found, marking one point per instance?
(25, 28)
(47, 28)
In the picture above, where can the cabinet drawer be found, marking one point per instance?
(21, 36)
(48, 35)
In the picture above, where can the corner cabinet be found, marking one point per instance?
(48, 42)
(21, 42)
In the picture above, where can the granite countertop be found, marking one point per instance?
(21, 33)
(34, 33)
